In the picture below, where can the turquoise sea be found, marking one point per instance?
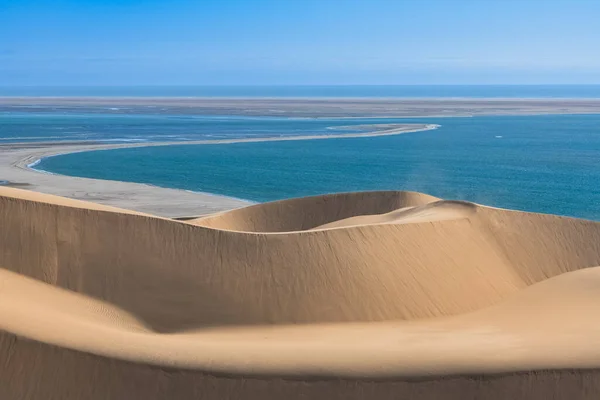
(547, 164)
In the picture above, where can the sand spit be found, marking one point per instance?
(358, 295)
(18, 159)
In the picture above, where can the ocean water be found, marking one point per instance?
(398, 91)
(547, 164)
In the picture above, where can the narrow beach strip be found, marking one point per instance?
(18, 162)
(53, 148)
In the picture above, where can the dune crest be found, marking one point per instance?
(350, 287)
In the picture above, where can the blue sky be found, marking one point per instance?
(264, 42)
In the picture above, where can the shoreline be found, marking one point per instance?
(18, 161)
(116, 146)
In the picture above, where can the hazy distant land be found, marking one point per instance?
(302, 107)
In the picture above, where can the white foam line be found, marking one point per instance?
(33, 164)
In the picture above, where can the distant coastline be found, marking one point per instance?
(312, 108)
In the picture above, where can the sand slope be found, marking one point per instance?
(355, 295)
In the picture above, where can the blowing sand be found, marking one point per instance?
(375, 295)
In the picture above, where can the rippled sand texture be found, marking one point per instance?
(381, 295)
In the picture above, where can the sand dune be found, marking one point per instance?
(355, 295)
(435, 211)
(311, 212)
